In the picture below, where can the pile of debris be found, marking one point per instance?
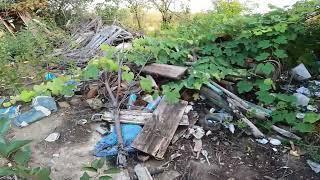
(86, 40)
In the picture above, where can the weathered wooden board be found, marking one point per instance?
(138, 117)
(157, 133)
(142, 172)
(169, 71)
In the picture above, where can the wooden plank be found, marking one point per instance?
(142, 172)
(138, 117)
(169, 71)
(157, 134)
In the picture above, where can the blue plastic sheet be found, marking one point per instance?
(108, 145)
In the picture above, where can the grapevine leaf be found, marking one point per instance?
(264, 44)
(91, 72)
(244, 86)
(280, 53)
(304, 127)
(85, 176)
(311, 117)
(127, 76)
(266, 68)
(281, 40)
(146, 84)
(112, 171)
(265, 97)
(26, 96)
(172, 97)
(263, 56)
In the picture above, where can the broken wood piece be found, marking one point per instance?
(169, 71)
(157, 133)
(138, 117)
(285, 133)
(142, 172)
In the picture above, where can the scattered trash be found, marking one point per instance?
(152, 105)
(300, 115)
(302, 100)
(101, 130)
(108, 146)
(208, 133)
(197, 132)
(52, 137)
(148, 98)
(50, 76)
(42, 106)
(312, 108)
(231, 128)
(314, 166)
(300, 73)
(10, 112)
(197, 145)
(56, 155)
(275, 142)
(132, 100)
(275, 150)
(262, 141)
(82, 122)
(304, 91)
(205, 154)
(188, 109)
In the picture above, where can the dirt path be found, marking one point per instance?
(67, 155)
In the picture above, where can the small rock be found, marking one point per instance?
(52, 137)
(275, 142)
(64, 104)
(76, 101)
(262, 141)
(95, 103)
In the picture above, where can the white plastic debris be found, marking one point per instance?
(208, 133)
(300, 115)
(52, 137)
(275, 142)
(302, 100)
(275, 150)
(312, 108)
(262, 141)
(317, 94)
(147, 98)
(231, 128)
(197, 132)
(212, 110)
(188, 109)
(300, 72)
(197, 145)
(314, 166)
(303, 90)
(82, 122)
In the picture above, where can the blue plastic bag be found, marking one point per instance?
(108, 145)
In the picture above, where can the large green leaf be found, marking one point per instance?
(263, 56)
(98, 163)
(311, 117)
(112, 171)
(22, 156)
(6, 171)
(85, 176)
(304, 127)
(4, 126)
(14, 146)
(244, 86)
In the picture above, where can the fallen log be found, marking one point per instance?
(285, 133)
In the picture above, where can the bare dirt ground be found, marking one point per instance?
(231, 157)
